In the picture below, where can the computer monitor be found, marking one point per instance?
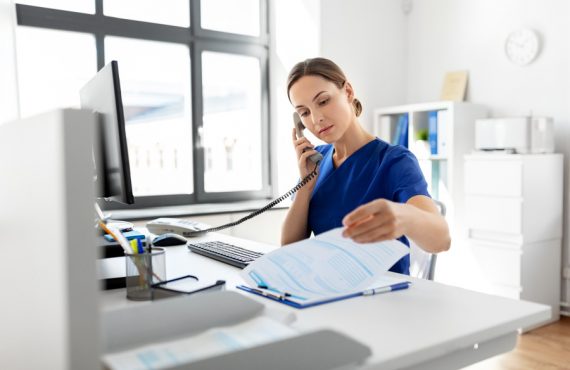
(102, 94)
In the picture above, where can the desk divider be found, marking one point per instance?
(134, 326)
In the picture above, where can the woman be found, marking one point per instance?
(374, 189)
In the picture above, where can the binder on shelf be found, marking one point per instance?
(402, 130)
(441, 132)
(433, 132)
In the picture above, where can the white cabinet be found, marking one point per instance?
(444, 170)
(514, 225)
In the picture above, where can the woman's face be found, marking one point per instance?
(325, 109)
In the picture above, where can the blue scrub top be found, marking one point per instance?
(377, 170)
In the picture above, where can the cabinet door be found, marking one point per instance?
(494, 214)
(487, 177)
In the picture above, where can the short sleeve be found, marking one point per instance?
(405, 177)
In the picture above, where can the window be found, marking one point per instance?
(194, 79)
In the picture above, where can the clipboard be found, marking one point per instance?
(283, 298)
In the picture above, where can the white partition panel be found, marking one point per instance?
(49, 311)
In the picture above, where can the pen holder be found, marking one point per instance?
(142, 271)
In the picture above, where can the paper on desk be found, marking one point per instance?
(210, 343)
(326, 266)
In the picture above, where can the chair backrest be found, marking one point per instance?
(422, 264)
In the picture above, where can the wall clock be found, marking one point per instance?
(522, 46)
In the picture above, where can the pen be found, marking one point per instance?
(282, 294)
(386, 289)
(140, 246)
(265, 293)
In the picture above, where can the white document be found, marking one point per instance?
(215, 341)
(325, 267)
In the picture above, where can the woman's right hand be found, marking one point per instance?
(305, 166)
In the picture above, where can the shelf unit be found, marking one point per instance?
(444, 173)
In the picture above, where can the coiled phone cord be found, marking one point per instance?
(273, 203)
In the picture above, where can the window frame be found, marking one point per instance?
(198, 40)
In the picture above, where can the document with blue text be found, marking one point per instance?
(325, 268)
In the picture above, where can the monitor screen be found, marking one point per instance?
(102, 94)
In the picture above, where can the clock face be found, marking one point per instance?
(522, 46)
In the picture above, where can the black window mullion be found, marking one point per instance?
(197, 119)
(100, 49)
(94, 23)
(99, 37)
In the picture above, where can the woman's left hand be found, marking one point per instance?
(375, 221)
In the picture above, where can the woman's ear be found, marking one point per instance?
(349, 91)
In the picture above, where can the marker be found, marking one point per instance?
(134, 246)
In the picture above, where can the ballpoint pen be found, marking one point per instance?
(266, 293)
(284, 295)
(386, 289)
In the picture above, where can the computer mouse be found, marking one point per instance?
(169, 240)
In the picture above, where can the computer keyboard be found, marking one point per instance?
(224, 252)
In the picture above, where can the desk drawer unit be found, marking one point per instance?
(517, 196)
(513, 207)
(498, 178)
(499, 214)
(496, 263)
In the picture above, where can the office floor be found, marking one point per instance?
(546, 348)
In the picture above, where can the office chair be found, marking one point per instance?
(422, 264)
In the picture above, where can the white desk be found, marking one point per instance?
(428, 326)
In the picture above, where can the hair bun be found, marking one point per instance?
(357, 107)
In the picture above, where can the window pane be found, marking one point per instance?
(234, 16)
(82, 6)
(171, 12)
(52, 67)
(232, 122)
(155, 83)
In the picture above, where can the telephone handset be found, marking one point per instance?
(299, 127)
(193, 229)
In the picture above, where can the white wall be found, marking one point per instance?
(9, 109)
(367, 39)
(445, 35)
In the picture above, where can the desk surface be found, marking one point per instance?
(429, 325)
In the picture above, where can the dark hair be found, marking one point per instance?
(324, 68)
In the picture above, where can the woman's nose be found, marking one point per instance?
(318, 118)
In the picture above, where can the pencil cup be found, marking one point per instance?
(143, 270)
